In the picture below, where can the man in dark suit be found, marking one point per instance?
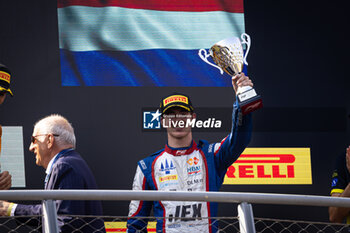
(53, 143)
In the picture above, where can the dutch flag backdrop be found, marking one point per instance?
(144, 42)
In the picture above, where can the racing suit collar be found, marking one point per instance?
(181, 151)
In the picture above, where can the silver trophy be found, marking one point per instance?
(229, 57)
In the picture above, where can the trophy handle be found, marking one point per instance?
(245, 40)
(205, 58)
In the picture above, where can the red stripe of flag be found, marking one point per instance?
(233, 6)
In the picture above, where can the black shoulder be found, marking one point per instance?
(340, 161)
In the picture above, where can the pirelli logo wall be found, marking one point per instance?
(271, 166)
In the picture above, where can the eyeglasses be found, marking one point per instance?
(33, 138)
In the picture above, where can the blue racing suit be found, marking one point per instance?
(199, 167)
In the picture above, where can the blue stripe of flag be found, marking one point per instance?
(157, 67)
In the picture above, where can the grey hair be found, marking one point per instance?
(57, 124)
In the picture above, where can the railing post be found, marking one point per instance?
(246, 218)
(50, 217)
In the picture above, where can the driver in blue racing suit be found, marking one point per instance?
(184, 165)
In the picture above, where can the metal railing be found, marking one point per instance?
(247, 223)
